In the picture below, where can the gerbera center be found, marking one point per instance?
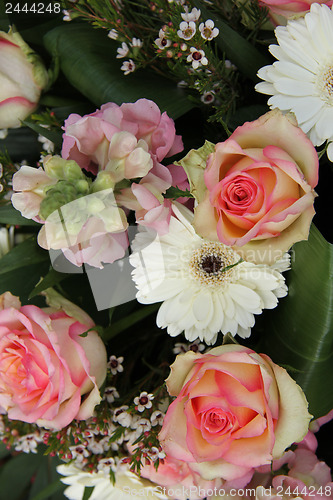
(210, 263)
(325, 84)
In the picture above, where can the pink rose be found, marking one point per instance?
(288, 9)
(260, 184)
(179, 480)
(124, 140)
(235, 410)
(308, 478)
(49, 374)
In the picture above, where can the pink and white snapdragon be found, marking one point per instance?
(88, 139)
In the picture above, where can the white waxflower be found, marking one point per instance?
(113, 34)
(208, 97)
(197, 58)
(162, 42)
(3, 133)
(141, 425)
(143, 401)
(156, 418)
(122, 51)
(107, 464)
(187, 30)
(121, 416)
(28, 443)
(136, 42)
(128, 67)
(115, 364)
(301, 80)
(204, 286)
(208, 31)
(110, 394)
(67, 15)
(191, 16)
(79, 453)
(154, 454)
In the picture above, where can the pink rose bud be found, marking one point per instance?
(22, 78)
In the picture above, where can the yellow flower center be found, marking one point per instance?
(325, 84)
(210, 263)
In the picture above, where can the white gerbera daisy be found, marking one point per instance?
(125, 488)
(204, 286)
(301, 80)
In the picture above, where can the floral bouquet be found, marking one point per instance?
(166, 326)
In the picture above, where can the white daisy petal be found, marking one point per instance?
(204, 286)
(301, 80)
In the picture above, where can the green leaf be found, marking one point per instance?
(22, 280)
(88, 60)
(3, 451)
(47, 484)
(52, 278)
(24, 254)
(87, 493)
(21, 143)
(8, 215)
(241, 52)
(16, 474)
(128, 321)
(299, 332)
(51, 135)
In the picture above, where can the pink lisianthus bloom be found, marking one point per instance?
(49, 373)
(260, 189)
(234, 410)
(281, 10)
(93, 141)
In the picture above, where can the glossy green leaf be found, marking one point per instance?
(3, 450)
(88, 60)
(22, 280)
(21, 144)
(51, 135)
(242, 53)
(8, 215)
(299, 332)
(16, 474)
(47, 484)
(50, 280)
(25, 254)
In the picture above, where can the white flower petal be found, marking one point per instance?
(198, 295)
